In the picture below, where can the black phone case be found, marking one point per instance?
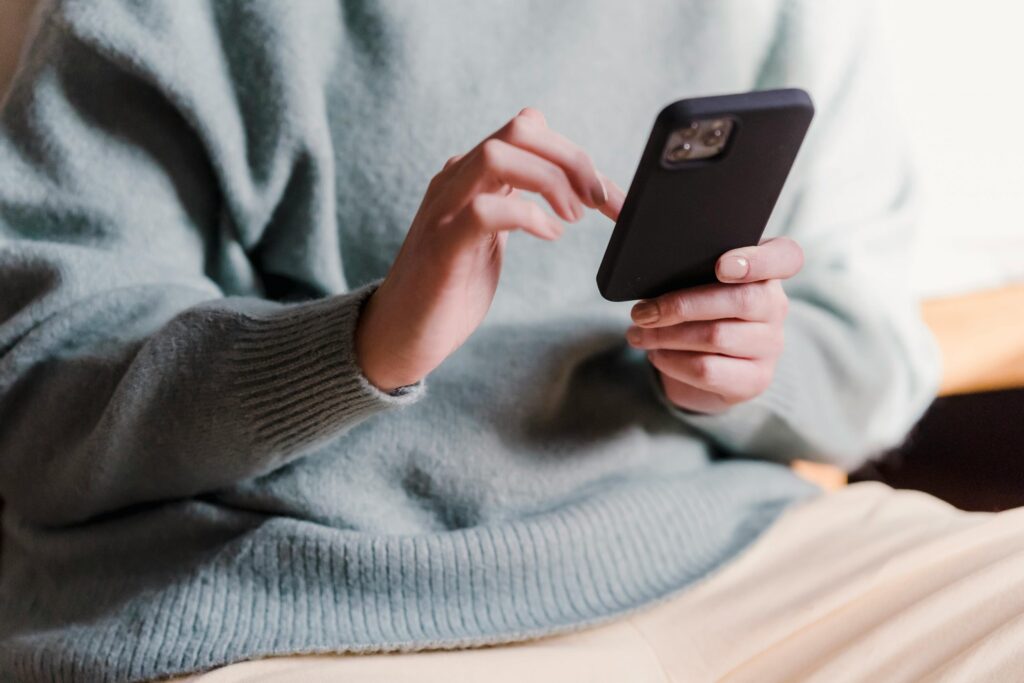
(676, 222)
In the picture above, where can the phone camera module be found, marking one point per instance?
(701, 139)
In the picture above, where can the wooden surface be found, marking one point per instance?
(981, 336)
(982, 339)
(828, 477)
(14, 19)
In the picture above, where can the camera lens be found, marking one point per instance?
(680, 152)
(714, 138)
(690, 132)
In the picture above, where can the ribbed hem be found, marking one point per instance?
(288, 586)
(296, 374)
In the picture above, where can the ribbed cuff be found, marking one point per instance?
(296, 373)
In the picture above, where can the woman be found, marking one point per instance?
(257, 404)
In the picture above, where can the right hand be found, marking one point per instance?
(443, 280)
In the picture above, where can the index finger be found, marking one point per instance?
(775, 259)
(529, 130)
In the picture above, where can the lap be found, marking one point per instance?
(863, 584)
(866, 584)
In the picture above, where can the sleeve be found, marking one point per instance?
(859, 365)
(127, 373)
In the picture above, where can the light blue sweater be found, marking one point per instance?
(196, 196)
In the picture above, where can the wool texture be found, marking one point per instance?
(198, 196)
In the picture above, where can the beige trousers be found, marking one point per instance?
(864, 584)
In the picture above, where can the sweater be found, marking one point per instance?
(198, 196)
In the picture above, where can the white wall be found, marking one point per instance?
(958, 75)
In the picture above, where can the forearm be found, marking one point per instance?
(108, 404)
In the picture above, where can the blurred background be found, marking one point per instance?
(955, 72)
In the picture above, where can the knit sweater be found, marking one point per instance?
(197, 197)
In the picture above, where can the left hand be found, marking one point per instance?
(716, 346)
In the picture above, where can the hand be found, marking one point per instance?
(717, 345)
(443, 280)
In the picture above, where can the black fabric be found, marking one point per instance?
(967, 450)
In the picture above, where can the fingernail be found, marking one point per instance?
(646, 313)
(734, 268)
(598, 193)
(634, 337)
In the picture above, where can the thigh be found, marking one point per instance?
(866, 584)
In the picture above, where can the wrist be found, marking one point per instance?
(372, 356)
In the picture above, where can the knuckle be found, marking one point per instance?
(520, 126)
(553, 175)
(490, 152)
(705, 371)
(763, 296)
(477, 209)
(745, 298)
(531, 112)
(673, 306)
(652, 337)
(716, 335)
(581, 161)
(560, 181)
(535, 214)
(532, 117)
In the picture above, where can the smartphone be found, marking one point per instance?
(707, 182)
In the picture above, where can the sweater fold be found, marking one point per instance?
(198, 196)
